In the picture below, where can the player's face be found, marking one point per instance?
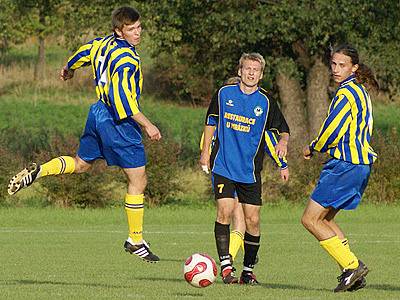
(250, 73)
(131, 33)
(342, 67)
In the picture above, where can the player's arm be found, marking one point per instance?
(211, 121)
(80, 58)
(270, 144)
(276, 121)
(205, 147)
(333, 128)
(124, 94)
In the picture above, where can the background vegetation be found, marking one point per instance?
(188, 49)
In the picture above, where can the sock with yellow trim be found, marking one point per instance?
(58, 165)
(340, 253)
(235, 242)
(134, 208)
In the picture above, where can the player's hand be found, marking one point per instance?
(205, 161)
(307, 153)
(281, 148)
(285, 174)
(66, 74)
(153, 132)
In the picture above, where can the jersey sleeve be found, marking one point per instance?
(270, 143)
(212, 115)
(81, 57)
(334, 126)
(123, 93)
(276, 121)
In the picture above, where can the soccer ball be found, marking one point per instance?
(200, 270)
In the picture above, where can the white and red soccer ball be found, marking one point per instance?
(200, 270)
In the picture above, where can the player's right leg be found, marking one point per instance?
(225, 208)
(56, 166)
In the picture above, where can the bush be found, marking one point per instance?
(162, 170)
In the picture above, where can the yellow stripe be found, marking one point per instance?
(272, 150)
(331, 128)
(362, 138)
(117, 99)
(132, 97)
(353, 127)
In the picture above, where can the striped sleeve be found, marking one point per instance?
(81, 57)
(334, 126)
(270, 143)
(123, 93)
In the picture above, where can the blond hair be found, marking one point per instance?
(252, 56)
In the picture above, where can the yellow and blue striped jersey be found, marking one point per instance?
(346, 131)
(117, 73)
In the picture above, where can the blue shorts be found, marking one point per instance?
(341, 184)
(118, 142)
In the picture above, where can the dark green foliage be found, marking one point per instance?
(196, 44)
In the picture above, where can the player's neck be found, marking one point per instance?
(248, 89)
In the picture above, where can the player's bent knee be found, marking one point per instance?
(81, 166)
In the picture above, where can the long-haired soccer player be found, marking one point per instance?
(345, 135)
(112, 129)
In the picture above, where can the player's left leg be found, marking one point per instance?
(251, 242)
(134, 208)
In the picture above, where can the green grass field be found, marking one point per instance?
(77, 254)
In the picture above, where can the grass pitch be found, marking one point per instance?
(78, 254)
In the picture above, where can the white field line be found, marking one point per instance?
(264, 232)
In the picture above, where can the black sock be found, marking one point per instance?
(222, 232)
(251, 246)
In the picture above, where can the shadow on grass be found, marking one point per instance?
(383, 287)
(40, 282)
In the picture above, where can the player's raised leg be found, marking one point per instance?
(56, 166)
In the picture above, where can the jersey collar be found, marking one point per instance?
(347, 80)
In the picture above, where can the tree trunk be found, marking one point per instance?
(292, 100)
(317, 96)
(41, 61)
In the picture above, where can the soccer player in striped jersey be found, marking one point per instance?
(240, 114)
(113, 126)
(345, 135)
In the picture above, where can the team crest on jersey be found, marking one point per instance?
(258, 111)
(229, 102)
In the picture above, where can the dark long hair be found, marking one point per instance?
(364, 74)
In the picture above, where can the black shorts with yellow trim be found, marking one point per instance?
(247, 193)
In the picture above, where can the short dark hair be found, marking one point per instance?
(124, 15)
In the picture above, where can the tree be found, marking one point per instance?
(39, 18)
(200, 43)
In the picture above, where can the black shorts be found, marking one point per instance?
(248, 193)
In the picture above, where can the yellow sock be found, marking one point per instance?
(235, 242)
(135, 210)
(340, 253)
(58, 165)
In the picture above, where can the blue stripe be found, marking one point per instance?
(122, 95)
